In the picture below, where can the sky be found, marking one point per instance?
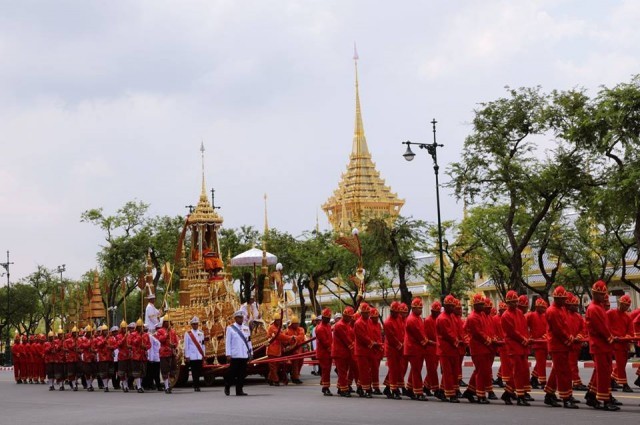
(106, 102)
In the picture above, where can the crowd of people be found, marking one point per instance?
(354, 344)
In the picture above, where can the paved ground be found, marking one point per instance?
(33, 404)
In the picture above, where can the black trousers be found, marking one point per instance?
(196, 372)
(236, 373)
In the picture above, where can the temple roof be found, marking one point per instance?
(361, 190)
(204, 212)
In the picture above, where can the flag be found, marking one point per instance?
(351, 243)
(141, 281)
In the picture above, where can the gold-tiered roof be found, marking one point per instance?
(96, 306)
(361, 194)
(204, 212)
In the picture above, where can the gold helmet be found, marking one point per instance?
(74, 329)
(103, 327)
(123, 324)
(139, 322)
(50, 334)
(165, 318)
(295, 319)
(88, 328)
(277, 316)
(60, 331)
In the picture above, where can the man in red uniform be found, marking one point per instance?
(297, 338)
(431, 380)
(502, 352)
(27, 358)
(276, 339)
(72, 357)
(324, 341)
(577, 329)
(523, 306)
(404, 361)
(600, 347)
(168, 351)
(480, 341)
(124, 357)
(59, 359)
(87, 349)
(364, 350)
(393, 348)
(447, 350)
(621, 327)
(104, 355)
(462, 348)
(517, 344)
(537, 324)
(560, 342)
(415, 341)
(342, 350)
(49, 359)
(490, 312)
(138, 352)
(378, 352)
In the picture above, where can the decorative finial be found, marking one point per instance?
(202, 155)
(355, 52)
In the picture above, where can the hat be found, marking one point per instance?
(416, 302)
(74, 329)
(436, 306)
(542, 303)
(395, 306)
(559, 292)
(88, 328)
(131, 325)
(365, 308)
(238, 313)
(572, 299)
(326, 312)
(375, 312)
(625, 299)
(194, 320)
(348, 312)
(313, 317)
(502, 305)
(113, 329)
(488, 303)
(338, 316)
(599, 287)
(166, 318)
(449, 300)
(139, 322)
(150, 297)
(477, 299)
(277, 316)
(60, 331)
(523, 301)
(403, 308)
(50, 334)
(511, 296)
(295, 319)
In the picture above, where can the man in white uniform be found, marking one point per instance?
(250, 311)
(194, 351)
(152, 314)
(238, 350)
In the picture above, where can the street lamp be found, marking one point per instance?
(7, 346)
(60, 269)
(432, 150)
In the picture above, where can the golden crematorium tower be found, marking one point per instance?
(361, 194)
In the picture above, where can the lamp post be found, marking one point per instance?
(60, 269)
(432, 150)
(7, 346)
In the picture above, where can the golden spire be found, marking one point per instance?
(266, 232)
(204, 212)
(361, 194)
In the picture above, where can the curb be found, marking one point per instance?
(582, 365)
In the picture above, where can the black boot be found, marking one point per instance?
(387, 392)
(498, 382)
(580, 387)
(327, 392)
(572, 398)
(522, 402)
(528, 397)
(609, 406)
(535, 384)
(568, 404)
(506, 397)
(614, 385)
(462, 383)
(454, 400)
(549, 401)
(637, 382)
(483, 400)
(469, 396)
(396, 395)
(591, 399)
(377, 391)
(615, 401)
(626, 388)
(492, 396)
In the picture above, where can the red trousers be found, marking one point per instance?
(573, 365)
(343, 366)
(325, 371)
(375, 372)
(449, 367)
(404, 365)
(416, 374)
(394, 364)
(481, 376)
(620, 372)
(431, 380)
(296, 366)
(540, 368)
(520, 373)
(17, 367)
(274, 370)
(600, 383)
(560, 376)
(353, 371)
(364, 372)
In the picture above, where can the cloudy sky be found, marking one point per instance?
(106, 102)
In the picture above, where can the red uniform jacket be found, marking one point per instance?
(376, 335)
(600, 337)
(497, 326)
(86, 346)
(538, 328)
(343, 341)
(275, 346)
(296, 338)
(50, 352)
(476, 327)
(146, 346)
(124, 351)
(324, 341)
(71, 350)
(414, 338)
(559, 329)
(168, 341)
(448, 339)
(60, 356)
(431, 334)
(393, 338)
(364, 342)
(620, 324)
(462, 335)
(514, 326)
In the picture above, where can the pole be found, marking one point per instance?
(7, 346)
(436, 168)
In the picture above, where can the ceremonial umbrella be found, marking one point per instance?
(252, 257)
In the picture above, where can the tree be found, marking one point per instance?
(501, 164)
(27, 314)
(47, 290)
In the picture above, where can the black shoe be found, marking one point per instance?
(359, 391)
(351, 390)
(167, 391)
(498, 382)
(454, 400)
(549, 401)
(469, 396)
(368, 394)
(227, 390)
(377, 392)
(580, 387)
(637, 382)
(241, 393)
(568, 404)
(535, 384)
(527, 397)
(396, 395)
(327, 392)
(387, 392)
(483, 400)
(405, 392)
(75, 388)
(492, 396)
(428, 393)
(626, 388)
(344, 393)
(576, 401)
(462, 383)
(61, 388)
(439, 393)
(614, 385)
(126, 389)
(90, 389)
(51, 388)
(615, 401)
(196, 389)
(140, 390)
(608, 406)
(296, 381)
(522, 402)
(106, 389)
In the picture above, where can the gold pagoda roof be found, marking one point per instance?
(204, 212)
(361, 191)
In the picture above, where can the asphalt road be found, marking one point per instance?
(293, 404)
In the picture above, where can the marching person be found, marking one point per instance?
(49, 359)
(502, 352)
(378, 354)
(517, 344)
(480, 346)
(393, 348)
(538, 328)
(364, 347)
(152, 375)
(560, 342)
(415, 343)
(431, 380)
(89, 366)
(17, 350)
(296, 334)
(194, 350)
(105, 344)
(314, 343)
(239, 351)
(59, 370)
(600, 347)
(448, 343)
(168, 348)
(342, 350)
(490, 312)
(124, 357)
(324, 341)
(578, 329)
(72, 357)
(139, 348)
(621, 326)
(276, 339)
